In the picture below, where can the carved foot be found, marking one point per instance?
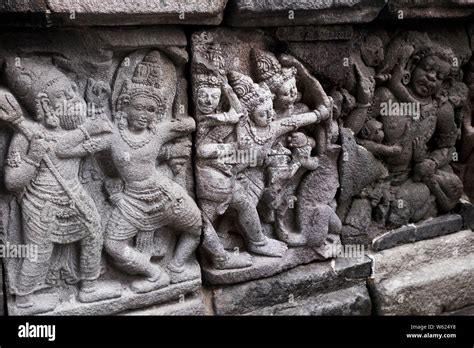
(94, 291)
(188, 271)
(240, 260)
(292, 239)
(158, 281)
(272, 248)
(35, 304)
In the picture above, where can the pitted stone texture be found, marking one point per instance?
(293, 12)
(299, 283)
(407, 9)
(353, 300)
(430, 228)
(192, 305)
(425, 278)
(263, 266)
(129, 300)
(112, 12)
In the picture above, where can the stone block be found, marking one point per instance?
(428, 277)
(430, 9)
(427, 229)
(354, 300)
(244, 13)
(52, 13)
(300, 283)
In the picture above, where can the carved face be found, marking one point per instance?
(428, 76)
(263, 114)
(208, 99)
(373, 130)
(67, 108)
(286, 94)
(140, 112)
(372, 51)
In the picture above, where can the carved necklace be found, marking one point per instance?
(133, 143)
(260, 139)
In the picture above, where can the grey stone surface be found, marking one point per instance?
(264, 266)
(349, 301)
(277, 13)
(428, 277)
(127, 301)
(298, 283)
(466, 210)
(427, 229)
(101, 147)
(191, 305)
(110, 12)
(409, 9)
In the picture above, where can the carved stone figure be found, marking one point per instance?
(412, 128)
(149, 200)
(43, 164)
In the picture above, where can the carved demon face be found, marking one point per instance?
(141, 111)
(208, 99)
(63, 105)
(286, 94)
(263, 114)
(429, 75)
(372, 51)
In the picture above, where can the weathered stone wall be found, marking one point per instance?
(237, 157)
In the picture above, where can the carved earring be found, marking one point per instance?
(406, 78)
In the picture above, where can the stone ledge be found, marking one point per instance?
(111, 12)
(244, 13)
(298, 283)
(188, 306)
(427, 229)
(425, 278)
(354, 300)
(127, 301)
(432, 9)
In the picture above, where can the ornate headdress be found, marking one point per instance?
(250, 94)
(269, 70)
(146, 81)
(207, 80)
(29, 79)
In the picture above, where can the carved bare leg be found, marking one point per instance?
(256, 240)
(212, 245)
(134, 262)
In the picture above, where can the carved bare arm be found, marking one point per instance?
(288, 124)
(23, 159)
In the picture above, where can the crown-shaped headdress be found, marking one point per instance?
(146, 81)
(250, 94)
(269, 70)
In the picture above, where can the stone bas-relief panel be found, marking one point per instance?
(291, 159)
(266, 158)
(399, 147)
(97, 178)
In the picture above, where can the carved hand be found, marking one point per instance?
(187, 125)
(38, 148)
(97, 92)
(99, 126)
(426, 168)
(419, 149)
(297, 139)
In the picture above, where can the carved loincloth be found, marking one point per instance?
(147, 209)
(51, 215)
